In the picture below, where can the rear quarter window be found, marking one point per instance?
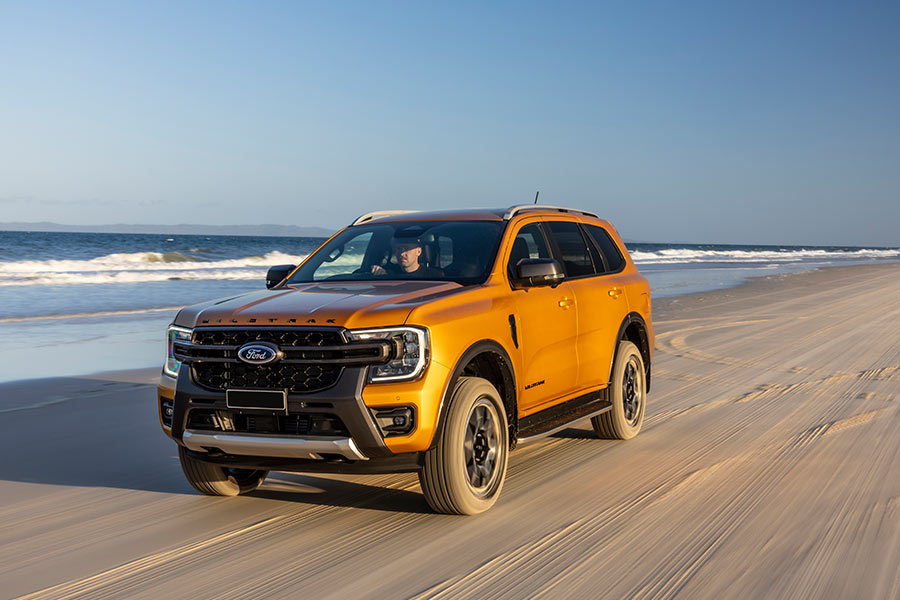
(612, 256)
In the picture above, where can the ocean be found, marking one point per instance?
(88, 302)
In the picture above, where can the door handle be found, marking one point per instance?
(615, 292)
(566, 302)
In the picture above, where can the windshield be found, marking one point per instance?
(461, 251)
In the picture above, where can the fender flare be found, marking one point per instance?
(479, 347)
(644, 348)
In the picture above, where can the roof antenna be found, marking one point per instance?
(536, 194)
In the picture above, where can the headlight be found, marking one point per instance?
(412, 356)
(174, 334)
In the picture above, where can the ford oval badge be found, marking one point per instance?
(259, 353)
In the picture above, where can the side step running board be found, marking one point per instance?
(556, 418)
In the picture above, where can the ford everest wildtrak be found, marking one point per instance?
(432, 342)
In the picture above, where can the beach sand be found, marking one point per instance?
(769, 466)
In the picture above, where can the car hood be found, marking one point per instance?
(345, 304)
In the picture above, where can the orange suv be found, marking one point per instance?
(432, 342)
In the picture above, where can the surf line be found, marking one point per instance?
(109, 313)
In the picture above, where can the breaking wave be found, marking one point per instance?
(138, 267)
(686, 255)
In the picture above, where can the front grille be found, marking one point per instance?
(279, 337)
(296, 378)
(311, 360)
(302, 424)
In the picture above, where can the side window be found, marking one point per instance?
(529, 243)
(445, 251)
(611, 254)
(576, 257)
(595, 254)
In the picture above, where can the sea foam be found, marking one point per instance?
(687, 255)
(138, 267)
(128, 268)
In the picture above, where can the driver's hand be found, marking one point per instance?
(378, 270)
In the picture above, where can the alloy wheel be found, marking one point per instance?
(481, 446)
(632, 391)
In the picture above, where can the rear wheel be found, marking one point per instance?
(464, 472)
(214, 480)
(628, 394)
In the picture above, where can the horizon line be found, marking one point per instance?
(327, 232)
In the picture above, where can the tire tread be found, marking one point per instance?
(611, 425)
(434, 477)
(211, 480)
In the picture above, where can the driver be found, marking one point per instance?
(408, 253)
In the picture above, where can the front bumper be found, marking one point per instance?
(343, 400)
(308, 448)
(350, 399)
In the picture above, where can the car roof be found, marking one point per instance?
(474, 214)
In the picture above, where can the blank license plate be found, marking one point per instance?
(257, 399)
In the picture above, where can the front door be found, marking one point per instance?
(546, 327)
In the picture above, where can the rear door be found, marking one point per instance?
(599, 297)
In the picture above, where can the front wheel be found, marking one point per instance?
(628, 394)
(214, 480)
(464, 472)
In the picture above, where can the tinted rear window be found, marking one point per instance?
(611, 255)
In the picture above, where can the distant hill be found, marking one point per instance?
(256, 230)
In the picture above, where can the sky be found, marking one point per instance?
(714, 122)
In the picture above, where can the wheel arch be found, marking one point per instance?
(487, 359)
(634, 330)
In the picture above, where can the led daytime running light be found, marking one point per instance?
(174, 334)
(415, 352)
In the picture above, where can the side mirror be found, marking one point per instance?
(277, 274)
(536, 272)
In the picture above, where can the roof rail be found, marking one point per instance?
(514, 210)
(378, 214)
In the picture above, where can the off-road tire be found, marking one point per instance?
(454, 479)
(214, 480)
(628, 394)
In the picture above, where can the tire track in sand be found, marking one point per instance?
(131, 577)
(573, 555)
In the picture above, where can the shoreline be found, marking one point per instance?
(89, 315)
(665, 309)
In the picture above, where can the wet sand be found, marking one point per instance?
(769, 466)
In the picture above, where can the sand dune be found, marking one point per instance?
(769, 467)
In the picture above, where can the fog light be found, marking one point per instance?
(168, 412)
(395, 421)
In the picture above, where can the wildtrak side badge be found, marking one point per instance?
(259, 353)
